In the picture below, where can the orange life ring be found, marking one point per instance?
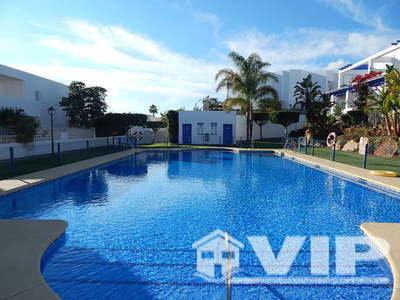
(331, 140)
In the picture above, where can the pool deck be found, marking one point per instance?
(26, 241)
(23, 242)
(386, 237)
(392, 183)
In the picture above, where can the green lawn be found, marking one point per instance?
(355, 159)
(37, 163)
(32, 164)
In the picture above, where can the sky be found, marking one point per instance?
(166, 52)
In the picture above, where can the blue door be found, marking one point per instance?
(227, 134)
(186, 134)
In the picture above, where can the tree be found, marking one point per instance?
(386, 101)
(361, 97)
(250, 86)
(268, 106)
(9, 116)
(24, 126)
(84, 104)
(153, 109)
(316, 105)
(211, 103)
(113, 124)
(261, 118)
(196, 107)
(156, 126)
(354, 118)
(337, 112)
(284, 117)
(173, 125)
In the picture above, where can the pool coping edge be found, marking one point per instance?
(386, 237)
(24, 244)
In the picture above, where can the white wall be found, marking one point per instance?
(34, 94)
(44, 147)
(288, 79)
(270, 130)
(207, 117)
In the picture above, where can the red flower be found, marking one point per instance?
(359, 79)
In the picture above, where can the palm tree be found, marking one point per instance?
(379, 102)
(153, 109)
(386, 101)
(315, 104)
(250, 86)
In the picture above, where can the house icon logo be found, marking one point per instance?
(217, 248)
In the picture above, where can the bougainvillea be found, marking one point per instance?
(359, 79)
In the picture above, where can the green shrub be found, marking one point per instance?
(284, 117)
(25, 126)
(377, 140)
(25, 129)
(355, 133)
(9, 116)
(173, 125)
(354, 118)
(113, 124)
(297, 133)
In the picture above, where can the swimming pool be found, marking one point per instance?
(132, 224)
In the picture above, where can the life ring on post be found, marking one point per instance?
(331, 140)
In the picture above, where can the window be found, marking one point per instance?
(38, 95)
(207, 255)
(200, 128)
(214, 128)
(228, 254)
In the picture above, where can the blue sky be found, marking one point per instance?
(166, 52)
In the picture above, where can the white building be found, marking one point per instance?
(288, 79)
(224, 128)
(33, 94)
(344, 94)
(207, 127)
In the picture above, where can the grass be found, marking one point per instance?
(355, 159)
(37, 163)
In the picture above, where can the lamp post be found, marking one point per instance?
(51, 110)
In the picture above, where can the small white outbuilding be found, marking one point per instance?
(207, 127)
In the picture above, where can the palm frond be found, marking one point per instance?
(237, 59)
(266, 91)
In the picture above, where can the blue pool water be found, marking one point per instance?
(132, 224)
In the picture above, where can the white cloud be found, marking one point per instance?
(335, 65)
(357, 11)
(209, 18)
(123, 62)
(306, 48)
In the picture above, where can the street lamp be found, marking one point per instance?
(52, 112)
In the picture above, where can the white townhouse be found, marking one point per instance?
(288, 79)
(228, 127)
(34, 94)
(345, 92)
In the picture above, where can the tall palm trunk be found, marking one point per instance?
(251, 119)
(396, 125)
(388, 125)
(247, 127)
